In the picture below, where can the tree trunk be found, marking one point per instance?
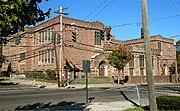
(1, 61)
(118, 75)
(123, 73)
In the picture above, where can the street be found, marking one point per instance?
(27, 97)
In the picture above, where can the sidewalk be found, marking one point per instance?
(110, 106)
(55, 86)
(94, 106)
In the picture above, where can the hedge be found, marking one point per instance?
(47, 75)
(166, 102)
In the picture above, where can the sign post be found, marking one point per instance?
(86, 69)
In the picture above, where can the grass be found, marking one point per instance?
(134, 109)
(41, 80)
(90, 81)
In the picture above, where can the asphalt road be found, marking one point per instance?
(25, 97)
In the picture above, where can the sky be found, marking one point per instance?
(124, 16)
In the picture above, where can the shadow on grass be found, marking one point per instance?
(63, 105)
(6, 83)
(135, 104)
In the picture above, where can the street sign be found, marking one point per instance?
(54, 57)
(86, 69)
(86, 66)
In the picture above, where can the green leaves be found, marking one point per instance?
(15, 15)
(4, 0)
(119, 57)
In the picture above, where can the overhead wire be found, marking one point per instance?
(95, 9)
(175, 5)
(102, 9)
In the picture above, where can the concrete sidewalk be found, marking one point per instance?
(55, 86)
(110, 106)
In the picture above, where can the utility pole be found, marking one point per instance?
(56, 55)
(176, 69)
(61, 66)
(149, 73)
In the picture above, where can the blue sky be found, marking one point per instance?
(123, 15)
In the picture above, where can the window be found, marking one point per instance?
(6, 48)
(34, 54)
(158, 64)
(51, 32)
(131, 71)
(22, 56)
(97, 38)
(45, 56)
(131, 62)
(141, 61)
(52, 56)
(39, 37)
(22, 40)
(34, 39)
(39, 55)
(48, 35)
(42, 56)
(159, 46)
(45, 34)
(42, 37)
(49, 55)
(141, 71)
(13, 61)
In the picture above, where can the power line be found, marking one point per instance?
(139, 23)
(127, 24)
(101, 10)
(95, 9)
(175, 5)
(167, 17)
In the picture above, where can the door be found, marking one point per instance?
(101, 68)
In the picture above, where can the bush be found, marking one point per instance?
(168, 102)
(1, 73)
(34, 74)
(50, 74)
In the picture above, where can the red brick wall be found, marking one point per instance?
(157, 79)
(75, 52)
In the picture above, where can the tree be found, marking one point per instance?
(16, 14)
(172, 67)
(119, 57)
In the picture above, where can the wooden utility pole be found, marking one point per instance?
(61, 66)
(149, 73)
(61, 49)
(57, 63)
(176, 69)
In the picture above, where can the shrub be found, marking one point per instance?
(1, 73)
(34, 74)
(50, 74)
(168, 102)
